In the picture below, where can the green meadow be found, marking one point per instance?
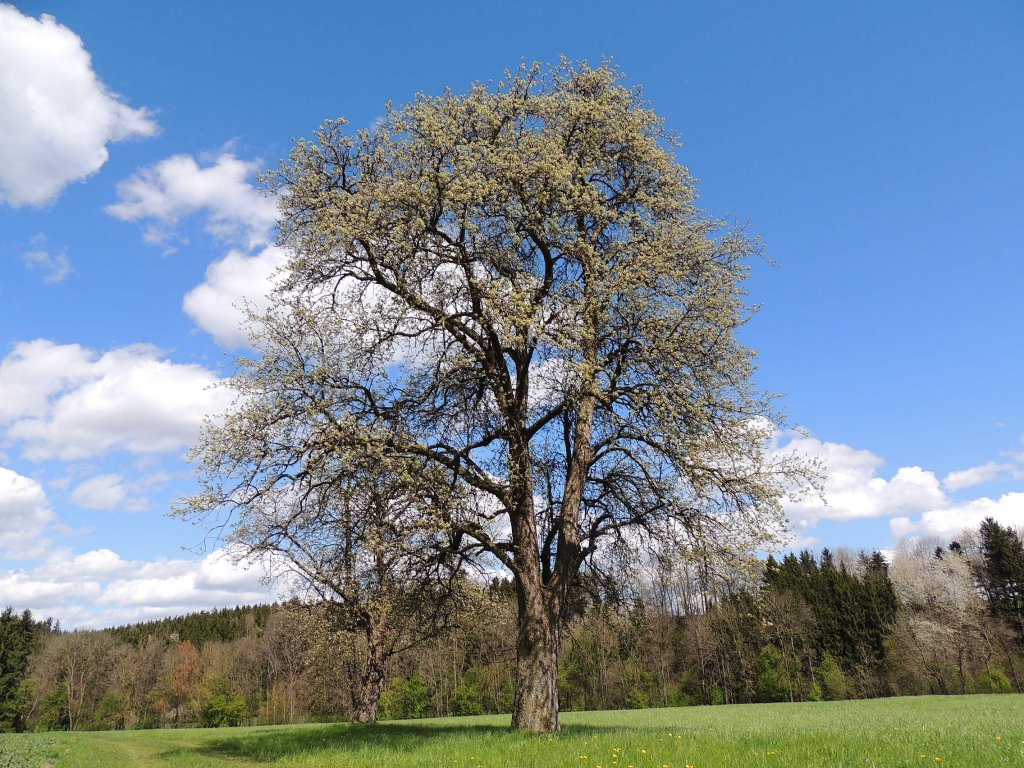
(979, 731)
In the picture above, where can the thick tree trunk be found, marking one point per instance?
(373, 679)
(537, 648)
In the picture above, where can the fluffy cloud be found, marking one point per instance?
(24, 512)
(231, 283)
(949, 520)
(854, 489)
(107, 492)
(69, 402)
(33, 372)
(913, 498)
(967, 478)
(56, 116)
(100, 588)
(235, 211)
(178, 187)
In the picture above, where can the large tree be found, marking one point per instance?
(514, 290)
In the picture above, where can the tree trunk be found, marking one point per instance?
(373, 678)
(537, 647)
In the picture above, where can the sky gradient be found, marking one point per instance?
(875, 149)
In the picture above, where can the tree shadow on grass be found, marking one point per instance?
(265, 746)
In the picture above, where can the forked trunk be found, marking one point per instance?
(373, 679)
(537, 648)
(542, 585)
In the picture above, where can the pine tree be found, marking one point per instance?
(1002, 572)
(19, 638)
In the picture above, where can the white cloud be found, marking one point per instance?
(69, 402)
(913, 498)
(20, 589)
(107, 492)
(178, 187)
(230, 283)
(24, 512)
(54, 265)
(56, 116)
(854, 489)
(967, 478)
(235, 211)
(100, 588)
(33, 372)
(948, 521)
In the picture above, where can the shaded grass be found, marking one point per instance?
(970, 731)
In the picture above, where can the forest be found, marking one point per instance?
(689, 629)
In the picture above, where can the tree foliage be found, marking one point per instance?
(20, 636)
(1001, 572)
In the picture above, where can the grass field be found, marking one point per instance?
(978, 731)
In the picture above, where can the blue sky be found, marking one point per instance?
(875, 146)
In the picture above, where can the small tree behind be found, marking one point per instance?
(352, 530)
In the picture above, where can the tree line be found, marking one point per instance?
(673, 631)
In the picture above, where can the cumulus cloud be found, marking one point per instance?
(914, 499)
(33, 372)
(967, 478)
(107, 492)
(235, 212)
(100, 588)
(24, 512)
(854, 489)
(179, 186)
(949, 520)
(231, 283)
(56, 116)
(69, 402)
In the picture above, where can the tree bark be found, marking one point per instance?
(537, 648)
(373, 678)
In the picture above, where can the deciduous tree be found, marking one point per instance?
(515, 291)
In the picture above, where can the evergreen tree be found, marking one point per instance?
(1002, 572)
(19, 638)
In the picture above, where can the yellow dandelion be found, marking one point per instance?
(938, 759)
